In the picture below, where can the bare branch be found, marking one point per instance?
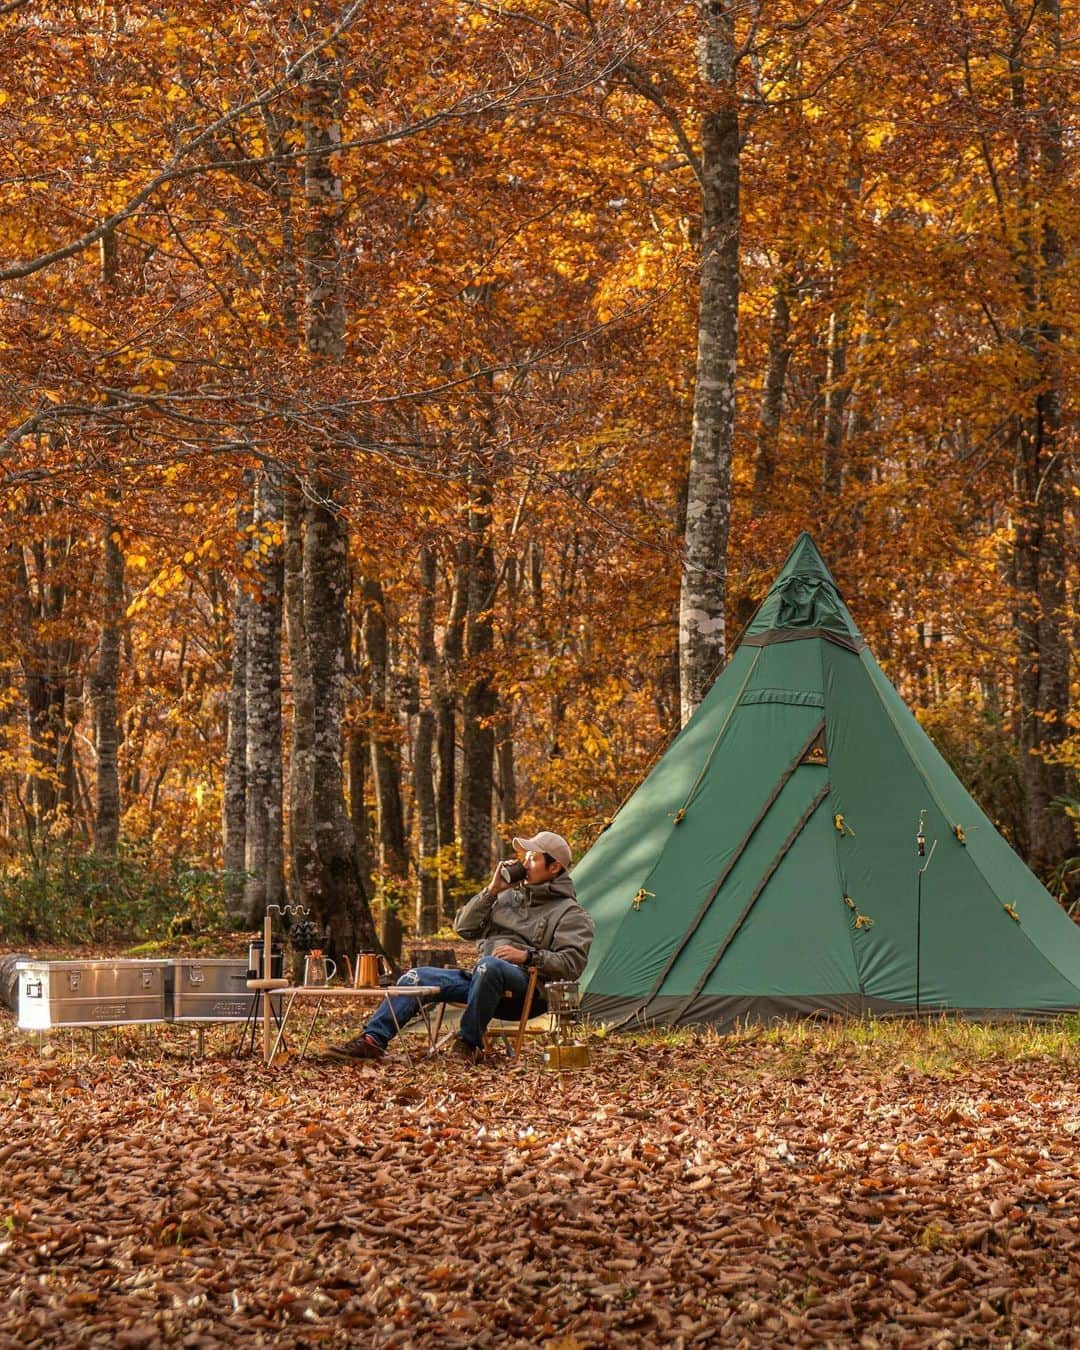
(290, 78)
(642, 83)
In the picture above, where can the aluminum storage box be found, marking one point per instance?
(90, 993)
(210, 990)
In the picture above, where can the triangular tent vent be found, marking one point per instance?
(817, 754)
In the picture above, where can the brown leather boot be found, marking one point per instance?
(468, 1054)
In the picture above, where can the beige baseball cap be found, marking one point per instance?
(546, 842)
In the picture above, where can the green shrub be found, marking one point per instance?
(72, 897)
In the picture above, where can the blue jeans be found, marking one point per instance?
(483, 992)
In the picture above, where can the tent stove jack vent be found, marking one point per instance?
(920, 850)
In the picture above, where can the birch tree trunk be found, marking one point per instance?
(325, 875)
(329, 881)
(263, 854)
(702, 638)
(303, 858)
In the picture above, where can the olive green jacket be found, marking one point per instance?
(546, 917)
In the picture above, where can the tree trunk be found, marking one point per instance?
(325, 878)
(303, 858)
(358, 755)
(263, 854)
(772, 396)
(386, 771)
(446, 722)
(1041, 485)
(837, 384)
(106, 710)
(39, 604)
(330, 881)
(508, 800)
(702, 645)
(427, 825)
(504, 722)
(478, 711)
(104, 684)
(837, 391)
(234, 793)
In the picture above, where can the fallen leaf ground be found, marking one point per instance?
(815, 1186)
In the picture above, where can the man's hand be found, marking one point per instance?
(498, 882)
(515, 955)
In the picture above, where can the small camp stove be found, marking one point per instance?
(567, 1050)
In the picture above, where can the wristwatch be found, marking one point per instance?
(532, 958)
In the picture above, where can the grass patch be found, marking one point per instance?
(941, 1045)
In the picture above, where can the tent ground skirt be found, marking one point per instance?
(725, 1013)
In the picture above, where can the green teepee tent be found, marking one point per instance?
(768, 866)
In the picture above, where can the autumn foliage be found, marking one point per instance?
(507, 248)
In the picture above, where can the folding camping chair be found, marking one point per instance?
(513, 1038)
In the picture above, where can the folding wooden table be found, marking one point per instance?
(346, 993)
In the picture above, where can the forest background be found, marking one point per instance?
(404, 408)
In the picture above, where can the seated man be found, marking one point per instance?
(538, 923)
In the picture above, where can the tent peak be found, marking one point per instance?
(803, 601)
(805, 559)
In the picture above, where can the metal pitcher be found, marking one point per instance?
(369, 966)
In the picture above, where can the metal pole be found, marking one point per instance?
(920, 850)
(920, 844)
(918, 947)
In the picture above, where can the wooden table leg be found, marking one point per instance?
(433, 1036)
(311, 1027)
(281, 1028)
(397, 1025)
(267, 973)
